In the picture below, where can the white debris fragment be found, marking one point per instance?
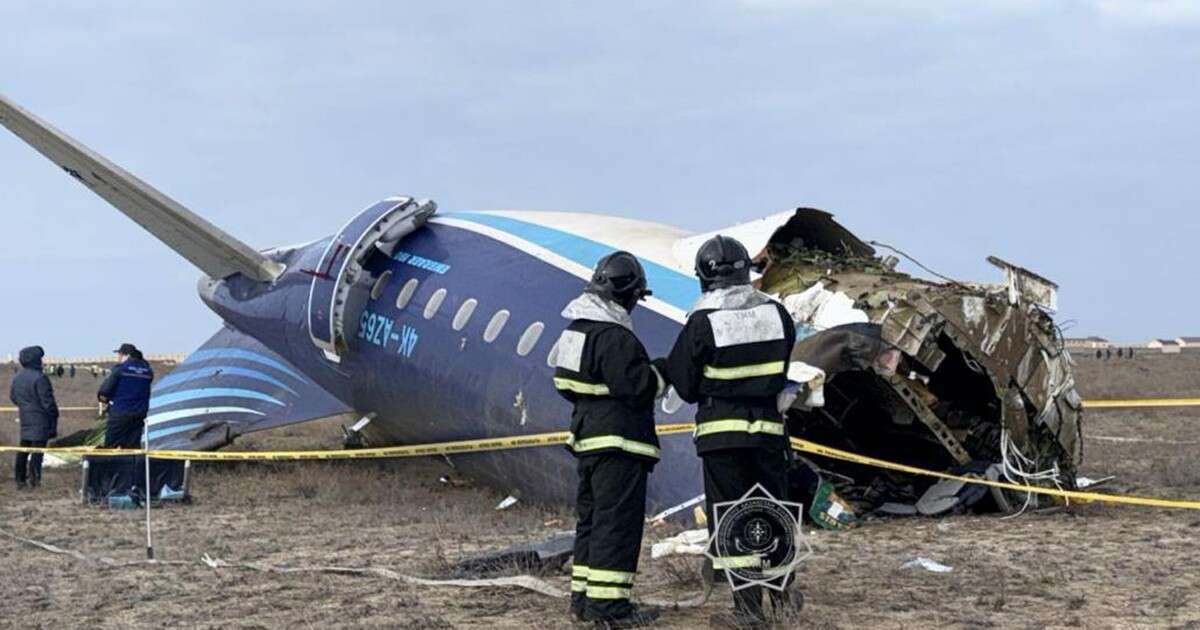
(508, 502)
(921, 562)
(54, 461)
(521, 405)
(823, 309)
(973, 310)
(688, 543)
(696, 500)
(672, 402)
(813, 377)
(1082, 482)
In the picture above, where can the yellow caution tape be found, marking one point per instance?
(92, 408)
(1077, 495)
(419, 450)
(557, 438)
(1142, 402)
(1115, 403)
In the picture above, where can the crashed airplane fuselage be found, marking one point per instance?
(433, 327)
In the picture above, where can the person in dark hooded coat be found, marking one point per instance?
(33, 396)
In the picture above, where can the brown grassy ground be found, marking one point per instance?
(1091, 566)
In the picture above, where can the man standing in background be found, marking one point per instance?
(33, 396)
(126, 393)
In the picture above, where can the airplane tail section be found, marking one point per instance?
(215, 252)
(232, 385)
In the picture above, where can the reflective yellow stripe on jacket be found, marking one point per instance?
(744, 371)
(708, 427)
(612, 441)
(580, 387)
(737, 562)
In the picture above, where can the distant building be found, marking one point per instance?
(1088, 343)
(1188, 342)
(1167, 346)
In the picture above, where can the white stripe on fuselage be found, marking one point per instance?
(554, 259)
(650, 241)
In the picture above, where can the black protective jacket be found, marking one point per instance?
(604, 370)
(732, 363)
(33, 396)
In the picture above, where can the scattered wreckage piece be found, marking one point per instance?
(536, 558)
(957, 376)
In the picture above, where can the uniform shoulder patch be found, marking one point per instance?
(752, 325)
(570, 350)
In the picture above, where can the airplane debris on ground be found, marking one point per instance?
(921, 562)
(964, 377)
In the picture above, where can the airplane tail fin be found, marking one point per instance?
(230, 386)
(215, 252)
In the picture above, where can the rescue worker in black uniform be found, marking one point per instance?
(731, 360)
(603, 369)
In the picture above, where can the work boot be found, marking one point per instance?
(637, 617)
(737, 620)
(786, 605)
(579, 611)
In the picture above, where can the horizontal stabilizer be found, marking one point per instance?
(231, 386)
(216, 253)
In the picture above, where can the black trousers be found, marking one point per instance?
(29, 465)
(728, 475)
(124, 430)
(611, 511)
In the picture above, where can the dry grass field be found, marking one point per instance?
(1089, 566)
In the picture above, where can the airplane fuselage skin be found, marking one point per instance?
(429, 372)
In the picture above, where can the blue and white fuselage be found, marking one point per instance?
(450, 339)
(429, 329)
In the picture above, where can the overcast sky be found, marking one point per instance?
(1064, 136)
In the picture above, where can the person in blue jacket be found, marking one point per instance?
(33, 395)
(126, 393)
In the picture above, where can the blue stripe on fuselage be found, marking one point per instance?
(674, 288)
(182, 375)
(162, 400)
(237, 353)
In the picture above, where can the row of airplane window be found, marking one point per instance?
(499, 320)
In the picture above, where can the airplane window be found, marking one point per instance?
(530, 338)
(435, 302)
(377, 290)
(406, 293)
(495, 326)
(464, 313)
(552, 356)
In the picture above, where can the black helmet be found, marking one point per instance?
(722, 262)
(619, 277)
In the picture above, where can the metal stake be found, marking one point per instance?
(146, 457)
